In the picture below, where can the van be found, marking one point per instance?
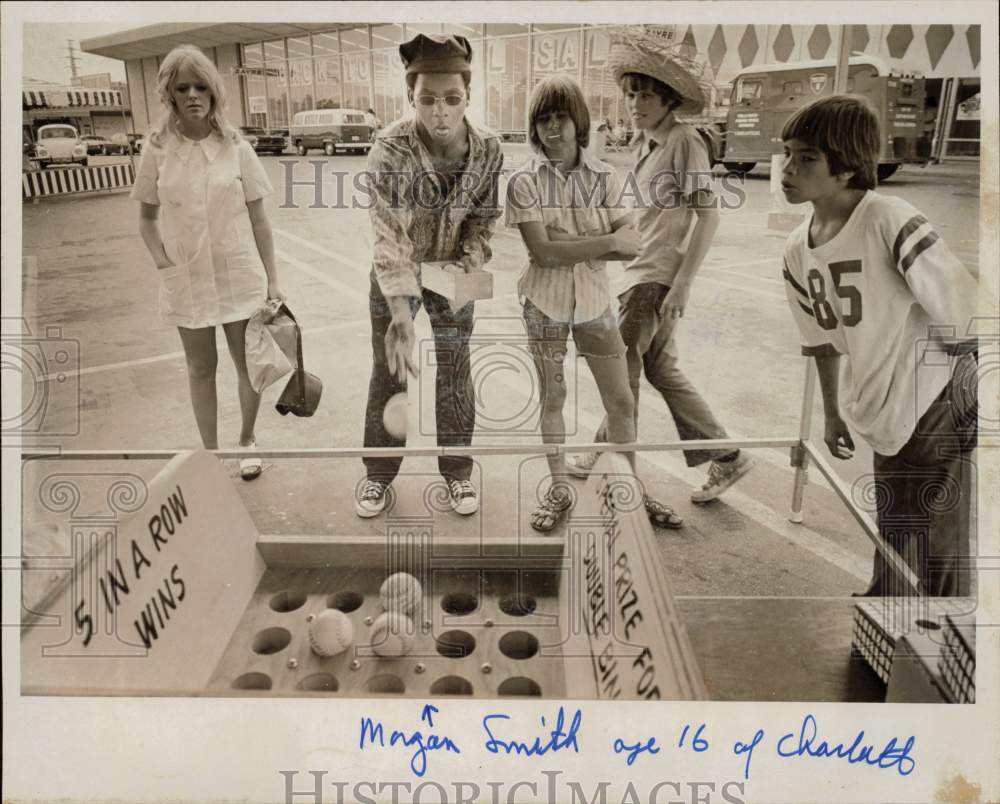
(764, 96)
(330, 129)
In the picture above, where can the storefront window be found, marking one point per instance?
(300, 74)
(412, 29)
(253, 75)
(356, 66)
(603, 97)
(506, 79)
(326, 69)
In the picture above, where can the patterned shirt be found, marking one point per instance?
(420, 215)
(579, 203)
(660, 188)
(877, 293)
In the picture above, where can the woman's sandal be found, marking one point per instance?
(551, 511)
(662, 516)
(250, 468)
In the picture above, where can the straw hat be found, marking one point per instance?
(635, 50)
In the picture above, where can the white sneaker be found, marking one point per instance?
(372, 499)
(464, 499)
(581, 465)
(721, 475)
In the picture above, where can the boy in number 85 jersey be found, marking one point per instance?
(867, 277)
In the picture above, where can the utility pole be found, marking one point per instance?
(72, 58)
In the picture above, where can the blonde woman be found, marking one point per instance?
(214, 251)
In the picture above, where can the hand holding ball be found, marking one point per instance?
(394, 416)
(331, 633)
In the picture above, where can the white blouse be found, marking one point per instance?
(203, 188)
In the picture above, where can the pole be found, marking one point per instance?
(843, 60)
(799, 456)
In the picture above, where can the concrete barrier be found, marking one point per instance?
(66, 181)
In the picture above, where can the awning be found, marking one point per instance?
(70, 98)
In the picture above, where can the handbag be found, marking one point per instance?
(303, 390)
(270, 345)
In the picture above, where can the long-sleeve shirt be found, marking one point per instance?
(882, 292)
(420, 215)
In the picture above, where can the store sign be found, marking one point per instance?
(258, 105)
(300, 73)
(598, 45)
(557, 53)
(496, 56)
(327, 71)
(357, 68)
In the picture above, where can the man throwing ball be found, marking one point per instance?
(434, 176)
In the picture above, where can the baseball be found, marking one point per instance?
(401, 592)
(331, 633)
(393, 634)
(394, 415)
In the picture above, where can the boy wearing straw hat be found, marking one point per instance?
(675, 206)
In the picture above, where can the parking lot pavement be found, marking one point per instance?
(94, 282)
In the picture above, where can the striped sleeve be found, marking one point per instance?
(523, 204)
(942, 285)
(815, 340)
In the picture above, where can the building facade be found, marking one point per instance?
(91, 111)
(274, 70)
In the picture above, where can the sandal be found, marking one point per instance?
(250, 468)
(660, 515)
(551, 510)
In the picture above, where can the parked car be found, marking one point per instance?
(263, 141)
(98, 145)
(59, 143)
(331, 130)
(135, 142)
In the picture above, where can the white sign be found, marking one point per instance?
(817, 81)
(557, 53)
(258, 104)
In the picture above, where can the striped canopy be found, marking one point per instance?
(70, 97)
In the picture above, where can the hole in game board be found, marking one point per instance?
(386, 683)
(518, 604)
(319, 682)
(518, 645)
(252, 681)
(455, 644)
(451, 685)
(929, 625)
(519, 685)
(271, 640)
(345, 601)
(287, 601)
(460, 603)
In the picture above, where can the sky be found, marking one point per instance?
(46, 52)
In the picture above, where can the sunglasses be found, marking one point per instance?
(431, 100)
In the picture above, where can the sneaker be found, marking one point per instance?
(464, 499)
(580, 465)
(721, 475)
(372, 499)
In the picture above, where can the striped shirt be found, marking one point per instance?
(582, 202)
(878, 293)
(420, 215)
(660, 189)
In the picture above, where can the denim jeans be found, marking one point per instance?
(652, 348)
(924, 493)
(455, 404)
